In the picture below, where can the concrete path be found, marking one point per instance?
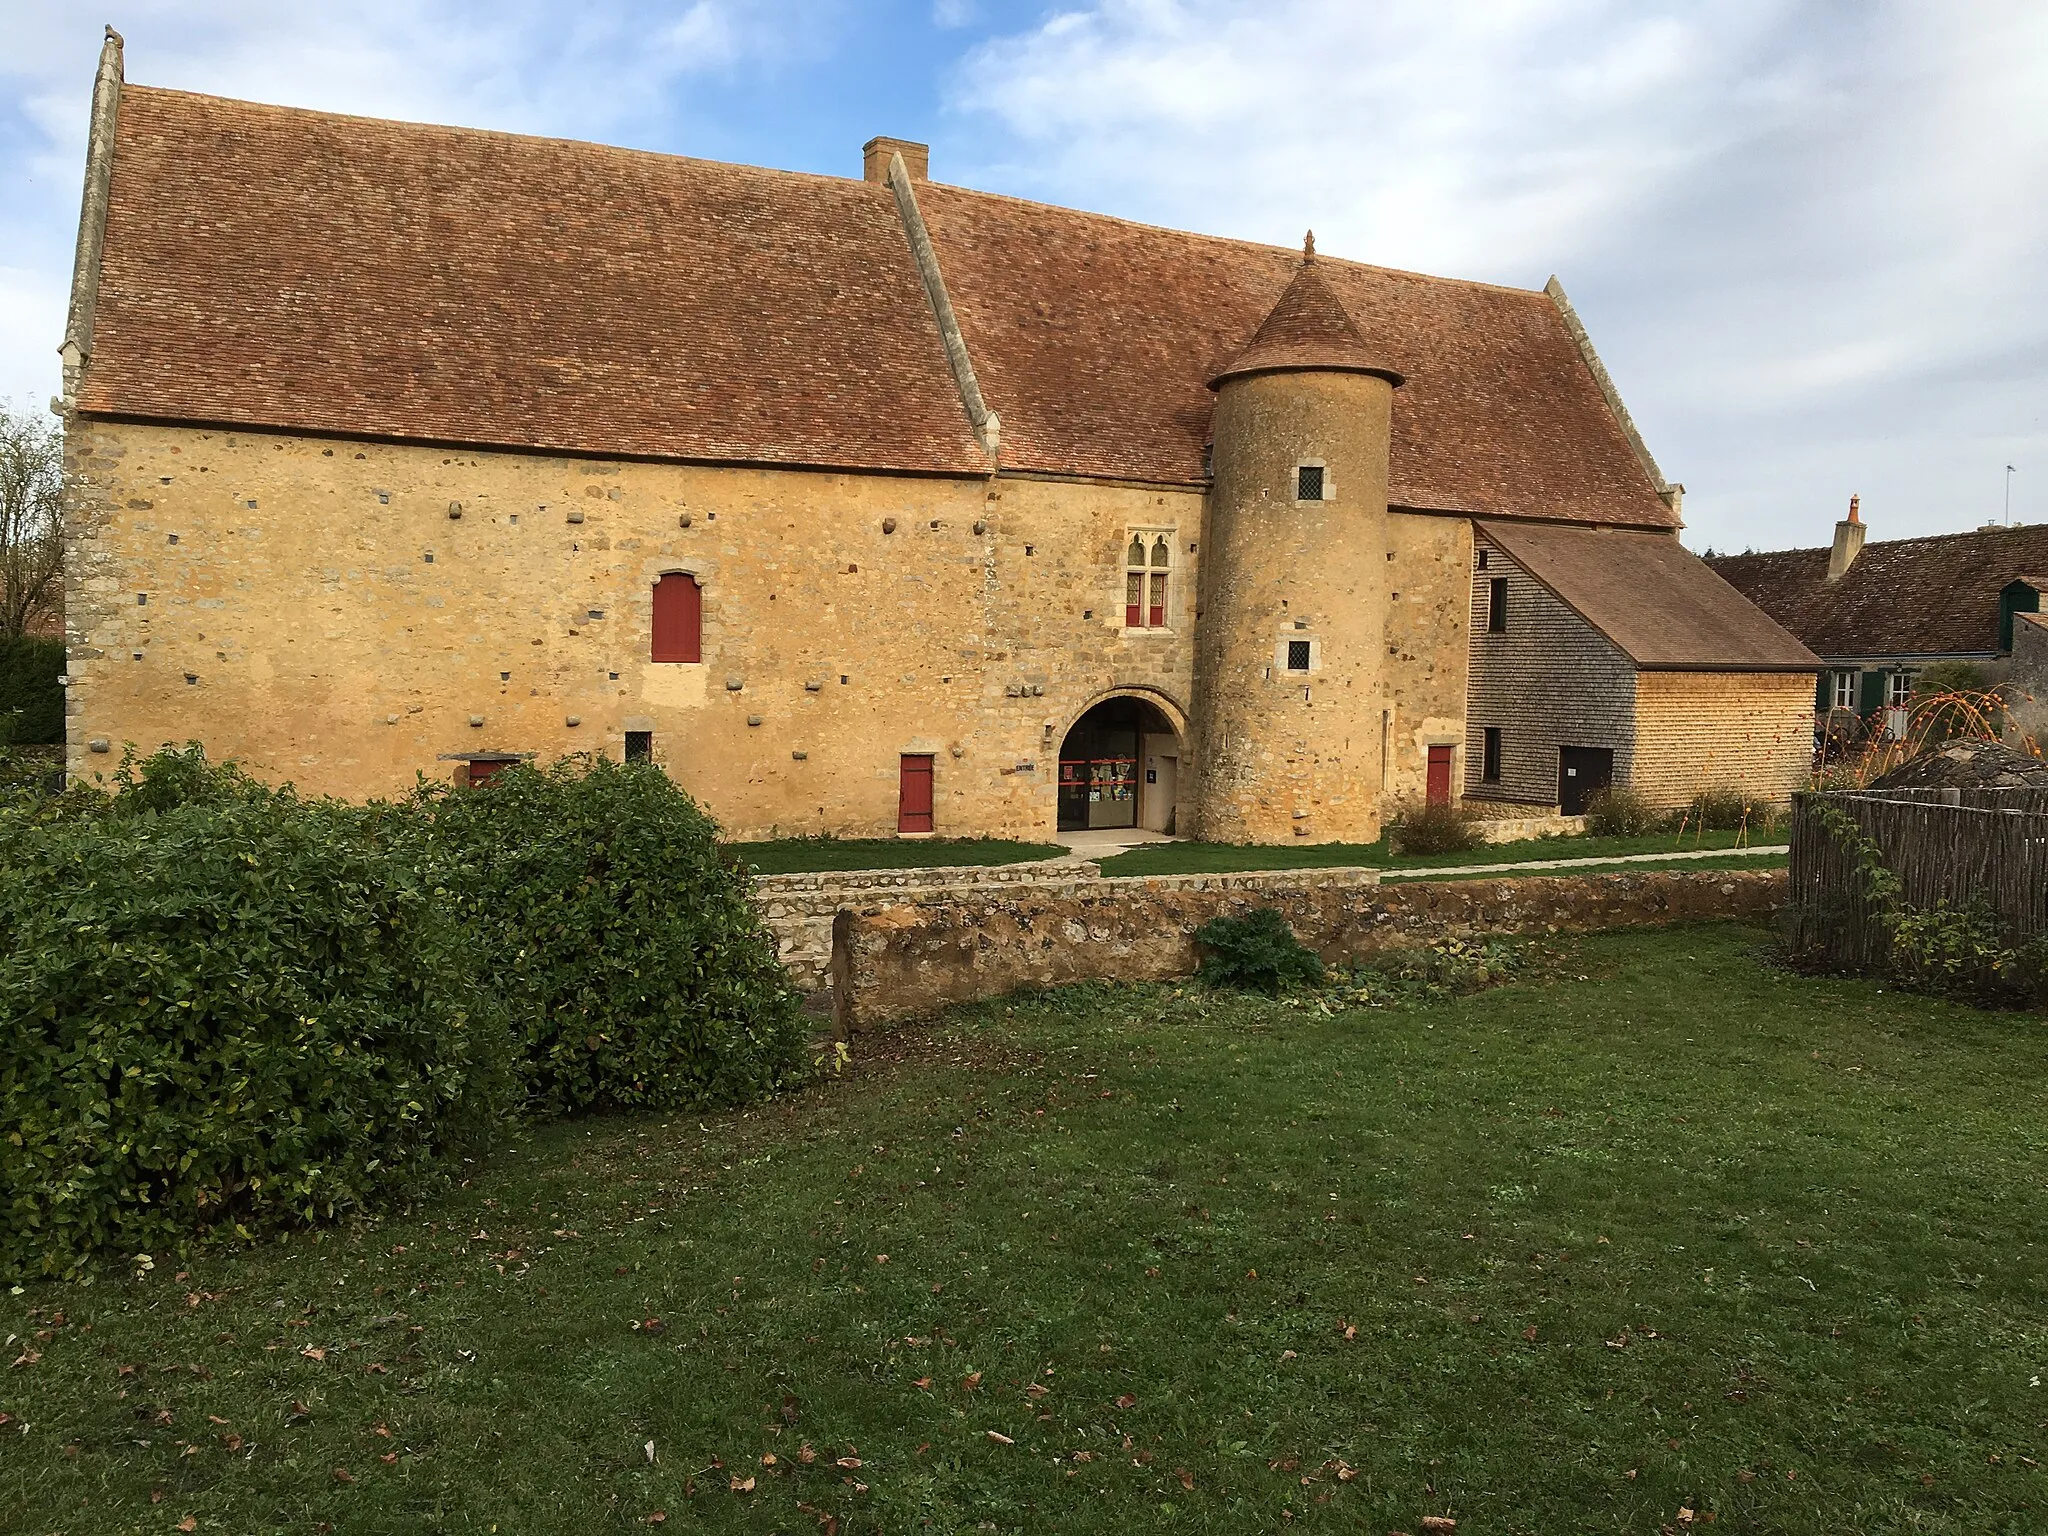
(1433, 871)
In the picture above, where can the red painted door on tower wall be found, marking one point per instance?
(1438, 790)
(914, 793)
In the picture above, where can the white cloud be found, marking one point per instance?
(1807, 236)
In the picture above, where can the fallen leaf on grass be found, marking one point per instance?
(848, 1462)
(189, 1523)
(1434, 1525)
(389, 1458)
(341, 1475)
(1185, 1478)
(1529, 1333)
(806, 1455)
(659, 1517)
(1000, 1438)
(971, 1381)
(314, 1352)
(1127, 1401)
(743, 1485)
(923, 1381)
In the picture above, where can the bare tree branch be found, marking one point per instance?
(31, 528)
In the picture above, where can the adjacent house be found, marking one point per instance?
(863, 505)
(1877, 614)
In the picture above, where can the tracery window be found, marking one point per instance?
(1145, 573)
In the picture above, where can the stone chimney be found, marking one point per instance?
(874, 158)
(1849, 534)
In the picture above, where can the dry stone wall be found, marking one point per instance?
(902, 951)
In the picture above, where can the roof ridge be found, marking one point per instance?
(464, 131)
(1237, 241)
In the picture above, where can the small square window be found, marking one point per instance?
(1482, 559)
(639, 746)
(1297, 655)
(1308, 483)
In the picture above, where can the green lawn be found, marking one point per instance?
(1657, 1228)
(798, 855)
(1218, 858)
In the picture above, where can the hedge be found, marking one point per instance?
(227, 1009)
(31, 699)
(237, 1012)
(620, 939)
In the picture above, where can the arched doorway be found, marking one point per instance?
(1120, 767)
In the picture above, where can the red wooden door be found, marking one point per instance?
(678, 619)
(483, 773)
(1438, 790)
(914, 793)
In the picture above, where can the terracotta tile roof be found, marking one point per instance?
(1307, 329)
(273, 267)
(1650, 595)
(1936, 596)
(1095, 339)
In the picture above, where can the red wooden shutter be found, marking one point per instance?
(1158, 605)
(1438, 789)
(914, 793)
(678, 618)
(1134, 598)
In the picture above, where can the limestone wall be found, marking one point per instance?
(338, 613)
(907, 952)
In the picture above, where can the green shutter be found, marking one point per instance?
(1824, 693)
(1873, 692)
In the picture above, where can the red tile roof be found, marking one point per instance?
(272, 267)
(1653, 597)
(1936, 596)
(1307, 330)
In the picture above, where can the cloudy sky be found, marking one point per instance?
(1809, 236)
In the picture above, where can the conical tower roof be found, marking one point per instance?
(1308, 330)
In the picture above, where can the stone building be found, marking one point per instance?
(1878, 614)
(865, 506)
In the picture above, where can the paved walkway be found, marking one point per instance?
(1433, 871)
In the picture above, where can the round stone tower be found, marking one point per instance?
(1291, 625)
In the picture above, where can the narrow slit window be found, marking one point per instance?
(678, 619)
(1308, 482)
(1497, 605)
(1489, 756)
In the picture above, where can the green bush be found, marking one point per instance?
(1619, 811)
(1433, 829)
(622, 942)
(223, 1007)
(31, 700)
(1256, 953)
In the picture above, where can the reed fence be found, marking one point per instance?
(1947, 848)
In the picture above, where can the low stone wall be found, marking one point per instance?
(904, 952)
(798, 909)
(1514, 829)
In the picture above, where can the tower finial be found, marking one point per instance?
(1308, 246)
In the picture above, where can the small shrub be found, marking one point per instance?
(1619, 811)
(634, 968)
(1724, 810)
(234, 1012)
(1256, 953)
(1433, 829)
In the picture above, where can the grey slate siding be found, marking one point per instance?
(1551, 681)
